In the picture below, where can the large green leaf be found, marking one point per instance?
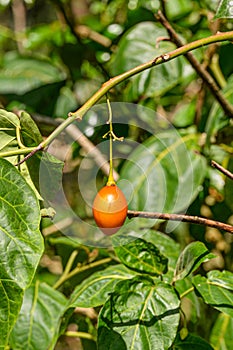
(11, 300)
(222, 333)
(164, 172)
(21, 243)
(167, 246)
(94, 290)
(46, 173)
(178, 8)
(216, 290)
(20, 75)
(39, 319)
(138, 46)
(142, 256)
(21, 240)
(191, 258)
(191, 342)
(139, 315)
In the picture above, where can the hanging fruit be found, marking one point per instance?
(110, 205)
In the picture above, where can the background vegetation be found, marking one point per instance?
(160, 285)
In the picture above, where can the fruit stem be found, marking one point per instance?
(111, 181)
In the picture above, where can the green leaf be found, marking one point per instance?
(29, 130)
(167, 247)
(46, 34)
(44, 169)
(46, 173)
(19, 228)
(21, 242)
(137, 46)
(11, 296)
(222, 332)
(5, 139)
(66, 102)
(184, 114)
(8, 120)
(221, 278)
(95, 290)
(31, 136)
(191, 342)
(139, 315)
(27, 74)
(142, 256)
(178, 8)
(8, 124)
(191, 258)
(164, 172)
(216, 290)
(39, 319)
(224, 10)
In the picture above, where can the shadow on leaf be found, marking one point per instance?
(109, 339)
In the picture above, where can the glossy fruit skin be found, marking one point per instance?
(110, 209)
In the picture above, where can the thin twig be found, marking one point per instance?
(223, 170)
(35, 150)
(65, 11)
(181, 217)
(202, 72)
(85, 32)
(78, 30)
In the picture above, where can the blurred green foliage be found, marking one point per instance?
(53, 56)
